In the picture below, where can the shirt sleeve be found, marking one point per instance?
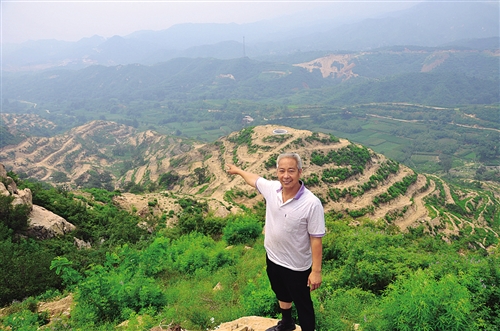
(264, 186)
(316, 225)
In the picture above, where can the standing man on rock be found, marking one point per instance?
(295, 225)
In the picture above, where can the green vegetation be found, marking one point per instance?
(271, 162)
(373, 275)
(352, 155)
(168, 180)
(395, 190)
(419, 136)
(391, 107)
(351, 160)
(444, 122)
(242, 230)
(13, 217)
(276, 138)
(244, 137)
(315, 137)
(7, 137)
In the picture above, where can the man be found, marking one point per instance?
(294, 229)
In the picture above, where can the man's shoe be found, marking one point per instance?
(282, 327)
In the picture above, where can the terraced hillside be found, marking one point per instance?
(99, 149)
(351, 180)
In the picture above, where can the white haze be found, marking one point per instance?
(73, 20)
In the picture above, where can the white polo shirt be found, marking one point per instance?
(289, 225)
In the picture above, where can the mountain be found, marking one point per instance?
(92, 149)
(427, 24)
(348, 178)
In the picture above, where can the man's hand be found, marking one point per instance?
(232, 169)
(249, 177)
(314, 280)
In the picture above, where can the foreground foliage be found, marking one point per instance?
(210, 270)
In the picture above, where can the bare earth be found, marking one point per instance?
(415, 214)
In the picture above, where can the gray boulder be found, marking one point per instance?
(42, 223)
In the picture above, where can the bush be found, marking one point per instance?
(243, 229)
(258, 297)
(196, 251)
(420, 302)
(115, 290)
(14, 217)
(168, 180)
(341, 308)
(25, 270)
(26, 320)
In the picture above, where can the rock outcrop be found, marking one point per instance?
(250, 323)
(42, 223)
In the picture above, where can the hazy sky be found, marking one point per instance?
(71, 20)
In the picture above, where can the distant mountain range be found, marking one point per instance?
(427, 24)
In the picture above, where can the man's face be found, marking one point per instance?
(289, 173)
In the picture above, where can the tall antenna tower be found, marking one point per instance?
(244, 54)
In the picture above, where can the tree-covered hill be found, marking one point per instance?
(437, 89)
(463, 72)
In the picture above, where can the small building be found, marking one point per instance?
(247, 120)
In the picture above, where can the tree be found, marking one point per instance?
(201, 175)
(14, 217)
(168, 180)
(446, 162)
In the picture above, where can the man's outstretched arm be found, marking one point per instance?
(250, 178)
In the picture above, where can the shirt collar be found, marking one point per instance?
(299, 192)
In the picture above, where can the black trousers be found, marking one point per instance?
(291, 286)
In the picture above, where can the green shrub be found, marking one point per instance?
(120, 286)
(340, 309)
(102, 195)
(25, 270)
(168, 180)
(26, 320)
(213, 226)
(420, 302)
(258, 297)
(195, 251)
(14, 217)
(362, 264)
(242, 229)
(271, 162)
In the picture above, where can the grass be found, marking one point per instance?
(421, 159)
(375, 142)
(386, 147)
(380, 125)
